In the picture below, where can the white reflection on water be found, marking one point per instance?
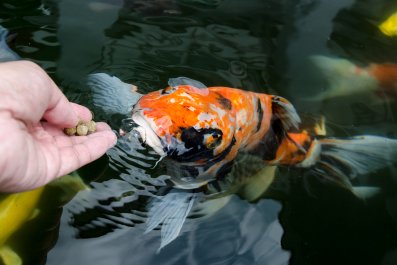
(240, 233)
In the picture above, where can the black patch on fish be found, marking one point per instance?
(221, 156)
(224, 170)
(268, 147)
(226, 103)
(306, 145)
(193, 140)
(259, 110)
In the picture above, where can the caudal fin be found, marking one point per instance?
(342, 160)
(343, 78)
(6, 54)
(111, 94)
(170, 210)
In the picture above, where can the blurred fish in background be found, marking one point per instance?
(344, 78)
(389, 26)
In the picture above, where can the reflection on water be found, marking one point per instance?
(35, 27)
(261, 46)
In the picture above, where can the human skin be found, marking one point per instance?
(33, 147)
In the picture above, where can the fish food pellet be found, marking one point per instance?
(82, 129)
(70, 131)
(91, 126)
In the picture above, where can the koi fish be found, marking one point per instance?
(389, 26)
(16, 209)
(346, 78)
(199, 132)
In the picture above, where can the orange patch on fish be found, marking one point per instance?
(386, 75)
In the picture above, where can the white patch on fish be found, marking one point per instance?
(186, 95)
(219, 111)
(205, 116)
(242, 116)
(147, 132)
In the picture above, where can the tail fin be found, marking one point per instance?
(343, 78)
(111, 94)
(342, 160)
(6, 54)
(171, 211)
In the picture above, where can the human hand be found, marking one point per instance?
(33, 112)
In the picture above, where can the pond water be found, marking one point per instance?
(256, 45)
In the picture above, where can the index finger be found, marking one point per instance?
(29, 94)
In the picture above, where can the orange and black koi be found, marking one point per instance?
(201, 130)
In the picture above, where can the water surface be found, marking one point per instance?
(260, 46)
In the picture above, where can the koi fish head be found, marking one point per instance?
(188, 123)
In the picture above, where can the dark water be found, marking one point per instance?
(256, 45)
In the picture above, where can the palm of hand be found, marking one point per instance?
(35, 152)
(39, 153)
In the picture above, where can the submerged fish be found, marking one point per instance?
(15, 210)
(389, 26)
(18, 208)
(346, 78)
(200, 131)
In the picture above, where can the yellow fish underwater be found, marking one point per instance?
(17, 209)
(389, 26)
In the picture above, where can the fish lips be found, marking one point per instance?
(147, 132)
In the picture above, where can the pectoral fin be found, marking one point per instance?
(170, 210)
(70, 185)
(258, 183)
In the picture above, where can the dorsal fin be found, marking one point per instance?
(285, 112)
(179, 81)
(192, 85)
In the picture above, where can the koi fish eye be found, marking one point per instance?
(194, 144)
(201, 139)
(212, 140)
